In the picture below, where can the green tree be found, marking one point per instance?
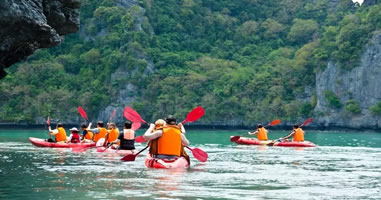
(302, 31)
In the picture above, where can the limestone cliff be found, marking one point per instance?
(127, 91)
(361, 84)
(27, 25)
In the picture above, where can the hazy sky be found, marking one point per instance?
(360, 1)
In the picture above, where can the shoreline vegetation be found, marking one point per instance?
(246, 61)
(283, 127)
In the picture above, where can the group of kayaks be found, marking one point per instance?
(181, 162)
(150, 162)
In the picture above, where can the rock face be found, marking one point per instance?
(127, 92)
(362, 84)
(27, 25)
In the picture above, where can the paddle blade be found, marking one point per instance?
(235, 138)
(194, 115)
(129, 157)
(274, 122)
(112, 114)
(82, 113)
(48, 121)
(199, 154)
(307, 122)
(132, 115)
(140, 139)
(136, 126)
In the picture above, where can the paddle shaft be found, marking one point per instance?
(141, 150)
(304, 123)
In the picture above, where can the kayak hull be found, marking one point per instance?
(253, 141)
(294, 144)
(115, 151)
(165, 164)
(42, 143)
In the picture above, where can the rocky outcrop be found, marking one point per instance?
(361, 84)
(27, 25)
(127, 91)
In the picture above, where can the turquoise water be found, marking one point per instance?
(345, 165)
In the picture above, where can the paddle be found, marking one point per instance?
(103, 150)
(193, 115)
(50, 136)
(132, 115)
(199, 154)
(112, 115)
(131, 157)
(82, 113)
(272, 123)
(309, 120)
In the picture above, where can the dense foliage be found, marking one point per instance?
(241, 60)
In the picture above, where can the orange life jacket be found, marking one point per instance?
(61, 135)
(113, 135)
(101, 134)
(89, 135)
(170, 142)
(262, 134)
(299, 135)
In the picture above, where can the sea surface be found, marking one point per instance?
(344, 165)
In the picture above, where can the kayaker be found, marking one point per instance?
(126, 139)
(112, 134)
(159, 125)
(297, 133)
(261, 132)
(59, 133)
(99, 132)
(171, 139)
(87, 136)
(74, 136)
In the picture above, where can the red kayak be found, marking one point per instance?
(294, 144)
(253, 141)
(165, 163)
(116, 151)
(42, 143)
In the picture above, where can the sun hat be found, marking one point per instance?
(74, 129)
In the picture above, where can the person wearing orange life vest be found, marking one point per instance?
(87, 136)
(99, 132)
(59, 133)
(171, 139)
(261, 132)
(297, 133)
(74, 136)
(159, 125)
(111, 135)
(126, 138)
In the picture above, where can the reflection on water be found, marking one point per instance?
(231, 172)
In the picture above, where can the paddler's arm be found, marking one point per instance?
(182, 129)
(53, 132)
(94, 130)
(149, 135)
(184, 140)
(288, 136)
(253, 133)
(89, 127)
